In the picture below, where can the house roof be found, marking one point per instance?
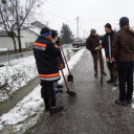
(36, 30)
(38, 24)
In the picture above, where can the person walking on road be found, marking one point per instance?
(123, 51)
(92, 42)
(46, 53)
(107, 40)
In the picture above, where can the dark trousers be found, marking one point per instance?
(112, 68)
(95, 61)
(125, 72)
(47, 91)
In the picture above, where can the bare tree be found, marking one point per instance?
(7, 22)
(21, 14)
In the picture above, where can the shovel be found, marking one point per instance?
(71, 93)
(70, 76)
(98, 54)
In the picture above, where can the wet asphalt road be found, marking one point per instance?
(92, 111)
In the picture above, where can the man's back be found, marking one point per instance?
(123, 45)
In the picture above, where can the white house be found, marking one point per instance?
(28, 36)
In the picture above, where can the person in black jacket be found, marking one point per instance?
(107, 41)
(46, 53)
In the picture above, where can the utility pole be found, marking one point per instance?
(84, 34)
(77, 26)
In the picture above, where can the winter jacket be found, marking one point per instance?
(123, 45)
(107, 45)
(46, 54)
(92, 42)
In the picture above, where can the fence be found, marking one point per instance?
(13, 58)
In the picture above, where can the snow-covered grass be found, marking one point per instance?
(27, 112)
(17, 76)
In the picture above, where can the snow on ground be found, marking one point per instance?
(17, 76)
(27, 112)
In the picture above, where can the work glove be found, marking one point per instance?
(97, 48)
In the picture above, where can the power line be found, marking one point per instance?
(84, 30)
(95, 20)
(77, 19)
(61, 9)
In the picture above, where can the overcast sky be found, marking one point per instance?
(91, 13)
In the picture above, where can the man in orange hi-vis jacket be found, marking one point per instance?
(46, 53)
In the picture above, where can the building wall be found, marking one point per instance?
(6, 42)
(27, 39)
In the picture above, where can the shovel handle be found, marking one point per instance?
(63, 74)
(64, 57)
(99, 61)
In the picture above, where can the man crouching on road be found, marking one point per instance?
(46, 53)
(91, 43)
(123, 51)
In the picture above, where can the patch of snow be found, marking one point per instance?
(17, 76)
(113, 89)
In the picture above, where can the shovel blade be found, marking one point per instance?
(71, 93)
(70, 78)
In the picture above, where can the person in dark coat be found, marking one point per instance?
(123, 52)
(46, 53)
(62, 64)
(107, 41)
(92, 42)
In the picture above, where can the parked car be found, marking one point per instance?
(79, 43)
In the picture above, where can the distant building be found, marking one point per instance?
(28, 36)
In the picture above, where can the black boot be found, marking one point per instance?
(59, 86)
(59, 91)
(129, 101)
(123, 103)
(55, 109)
(47, 106)
(96, 74)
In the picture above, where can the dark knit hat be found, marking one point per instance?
(54, 33)
(124, 21)
(92, 31)
(45, 32)
(108, 26)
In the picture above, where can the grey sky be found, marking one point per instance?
(92, 14)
